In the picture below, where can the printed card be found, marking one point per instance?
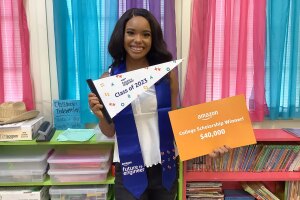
(200, 129)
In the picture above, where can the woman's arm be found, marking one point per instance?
(106, 128)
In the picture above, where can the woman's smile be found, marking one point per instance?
(136, 49)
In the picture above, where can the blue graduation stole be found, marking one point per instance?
(131, 159)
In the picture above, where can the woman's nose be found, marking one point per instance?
(138, 38)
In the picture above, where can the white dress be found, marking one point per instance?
(144, 109)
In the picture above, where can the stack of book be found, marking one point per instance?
(25, 130)
(259, 191)
(204, 190)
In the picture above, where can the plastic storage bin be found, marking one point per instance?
(81, 159)
(86, 192)
(59, 175)
(15, 176)
(24, 193)
(23, 159)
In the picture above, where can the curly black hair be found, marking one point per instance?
(158, 52)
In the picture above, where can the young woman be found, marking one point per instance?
(144, 156)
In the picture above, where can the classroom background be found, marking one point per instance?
(48, 48)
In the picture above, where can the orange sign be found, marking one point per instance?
(200, 129)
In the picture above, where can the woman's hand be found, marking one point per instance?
(219, 151)
(107, 129)
(95, 105)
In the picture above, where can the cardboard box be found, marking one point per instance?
(21, 193)
(26, 130)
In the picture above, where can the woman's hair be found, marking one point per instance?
(158, 52)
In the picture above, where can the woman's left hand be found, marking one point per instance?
(219, 151)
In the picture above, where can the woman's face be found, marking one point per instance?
(137, 38)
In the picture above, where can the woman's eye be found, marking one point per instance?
(130, 32)
(147, 35)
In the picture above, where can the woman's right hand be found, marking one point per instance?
(108, 129)
(95, 105)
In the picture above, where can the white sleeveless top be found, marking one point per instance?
(144, 109)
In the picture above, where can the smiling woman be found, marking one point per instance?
(144, 157)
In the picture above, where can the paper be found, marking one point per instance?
(79, 135)
(66, 114)
(13, 125)
(120, 90)
(200, 129)
(99, 136)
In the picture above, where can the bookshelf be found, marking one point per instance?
(54, 144)
(232, 179)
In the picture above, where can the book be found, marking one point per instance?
(253, 157)
(293, 131)
(268, 193)
(294, 153)
(248, 156)
(295, 166)
(257, 187)
(204, 184)
(292, 190)
(231, 194)
(26, 130)
(273, 159)
(251, 191)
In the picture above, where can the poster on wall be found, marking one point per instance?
(200, 129)
(66, 114)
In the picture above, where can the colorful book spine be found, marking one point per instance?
(248, 189)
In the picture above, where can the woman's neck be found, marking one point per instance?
(136, 64)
